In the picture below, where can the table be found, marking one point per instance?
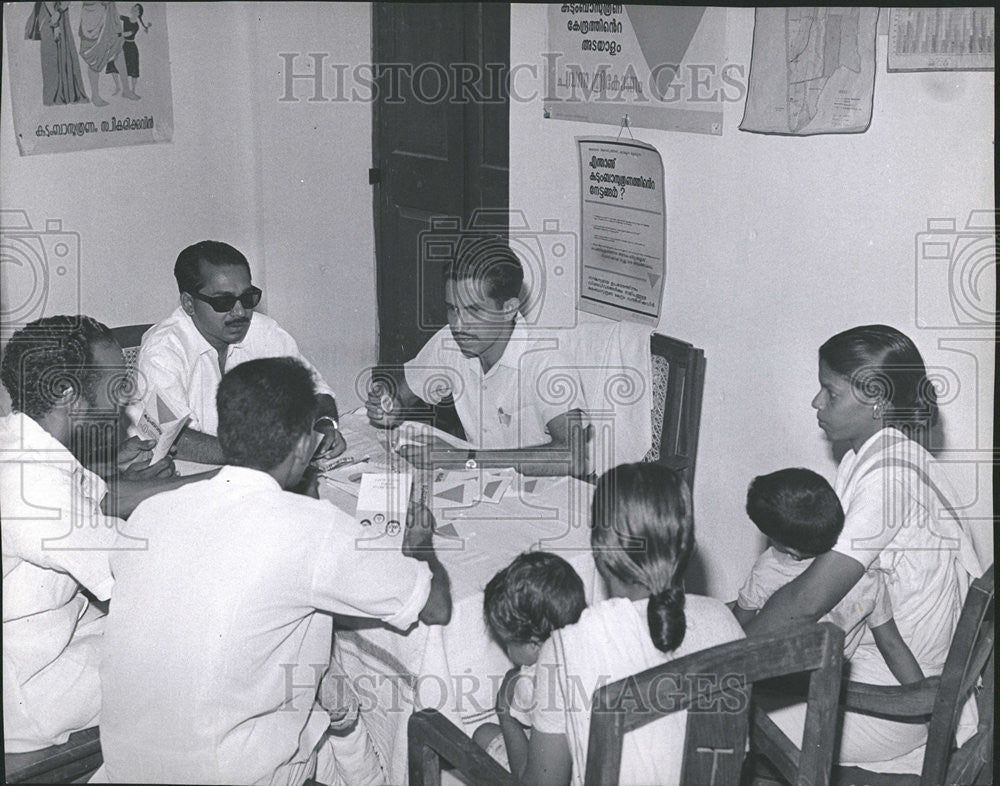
(456, 668)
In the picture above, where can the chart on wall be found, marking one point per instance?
(942, 39)
(812, 71)
(86, 75)
(660, 65)
(623, 222)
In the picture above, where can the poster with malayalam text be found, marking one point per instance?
(86, 75)
(623, 224)
(660, 65)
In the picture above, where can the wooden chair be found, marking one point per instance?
(722, 677)
(968, 670)
(432, 737)
(129, 337)
(678, 385)
(72, 762)
(715, 744)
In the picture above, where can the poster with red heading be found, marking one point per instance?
(623, 224)
(86, 75)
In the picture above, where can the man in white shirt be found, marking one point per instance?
(215, 640)
(519, 398)
(214, 328)
(63, 375)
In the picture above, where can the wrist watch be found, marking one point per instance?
(470, 463)
(327, 419)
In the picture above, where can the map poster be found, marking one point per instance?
(660, 65)
(623, 225)
(812, 71)
(85, 75)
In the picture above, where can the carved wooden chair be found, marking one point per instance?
(678, 385)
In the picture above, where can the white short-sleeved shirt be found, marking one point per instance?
(508, 406)
(897, 520)
(866, 605)
(215, 644)
(55, 541)
(178, 370)
(610, 642)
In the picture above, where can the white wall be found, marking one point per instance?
(773, 245)
(286, 183)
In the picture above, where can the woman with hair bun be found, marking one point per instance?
(900, 519)
(642, 534)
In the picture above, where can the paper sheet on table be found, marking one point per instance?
(411, 432)
(382, 502)
(458, 489)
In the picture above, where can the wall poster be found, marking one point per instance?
(86, 75)
(623, 225)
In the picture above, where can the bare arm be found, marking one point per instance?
(333, 443)
(566, 454)
(743, 616)
(197, 446)
(808, 596)
(418, 543)
(897, 654)
(514, 738)
(549, 760)
(125, 493)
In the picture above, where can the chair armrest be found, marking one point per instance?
(430, 729)
(891, 701)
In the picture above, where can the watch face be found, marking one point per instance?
(471, 464)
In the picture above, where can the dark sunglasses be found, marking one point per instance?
(225, 303)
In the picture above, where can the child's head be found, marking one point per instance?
(533, 596)
(797, 510)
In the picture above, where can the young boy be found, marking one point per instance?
(802, 518)
(523, 603)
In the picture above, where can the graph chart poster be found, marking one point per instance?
(942, 39)
(623, 229)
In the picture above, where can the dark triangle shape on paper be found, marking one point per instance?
(491, 488)
(456, 494)
(163, 413)
(448, 531)
(664, 36)
(529, 486)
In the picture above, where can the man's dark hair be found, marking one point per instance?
(187, 269)
(49, 355)
(491, 264)
(533, 596)
(797, 508)
(265, 406)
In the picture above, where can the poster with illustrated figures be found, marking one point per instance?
(85, 75)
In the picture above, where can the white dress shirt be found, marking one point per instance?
(178, 370)
(55, 541)
(508, 406)
(215, 643)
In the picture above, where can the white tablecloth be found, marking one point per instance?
(456, 668)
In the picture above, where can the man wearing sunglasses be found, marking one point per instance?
(214, 329)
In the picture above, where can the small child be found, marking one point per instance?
(802, 518)
(523, 603)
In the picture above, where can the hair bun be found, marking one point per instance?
(665, 615)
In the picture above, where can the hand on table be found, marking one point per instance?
(333, 443)
(419, 535)
(143, 470)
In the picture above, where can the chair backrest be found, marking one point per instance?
(967, 670)
(129, 337)
(72, 762)
(678, 385)
(432, 737)
(716, 685)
